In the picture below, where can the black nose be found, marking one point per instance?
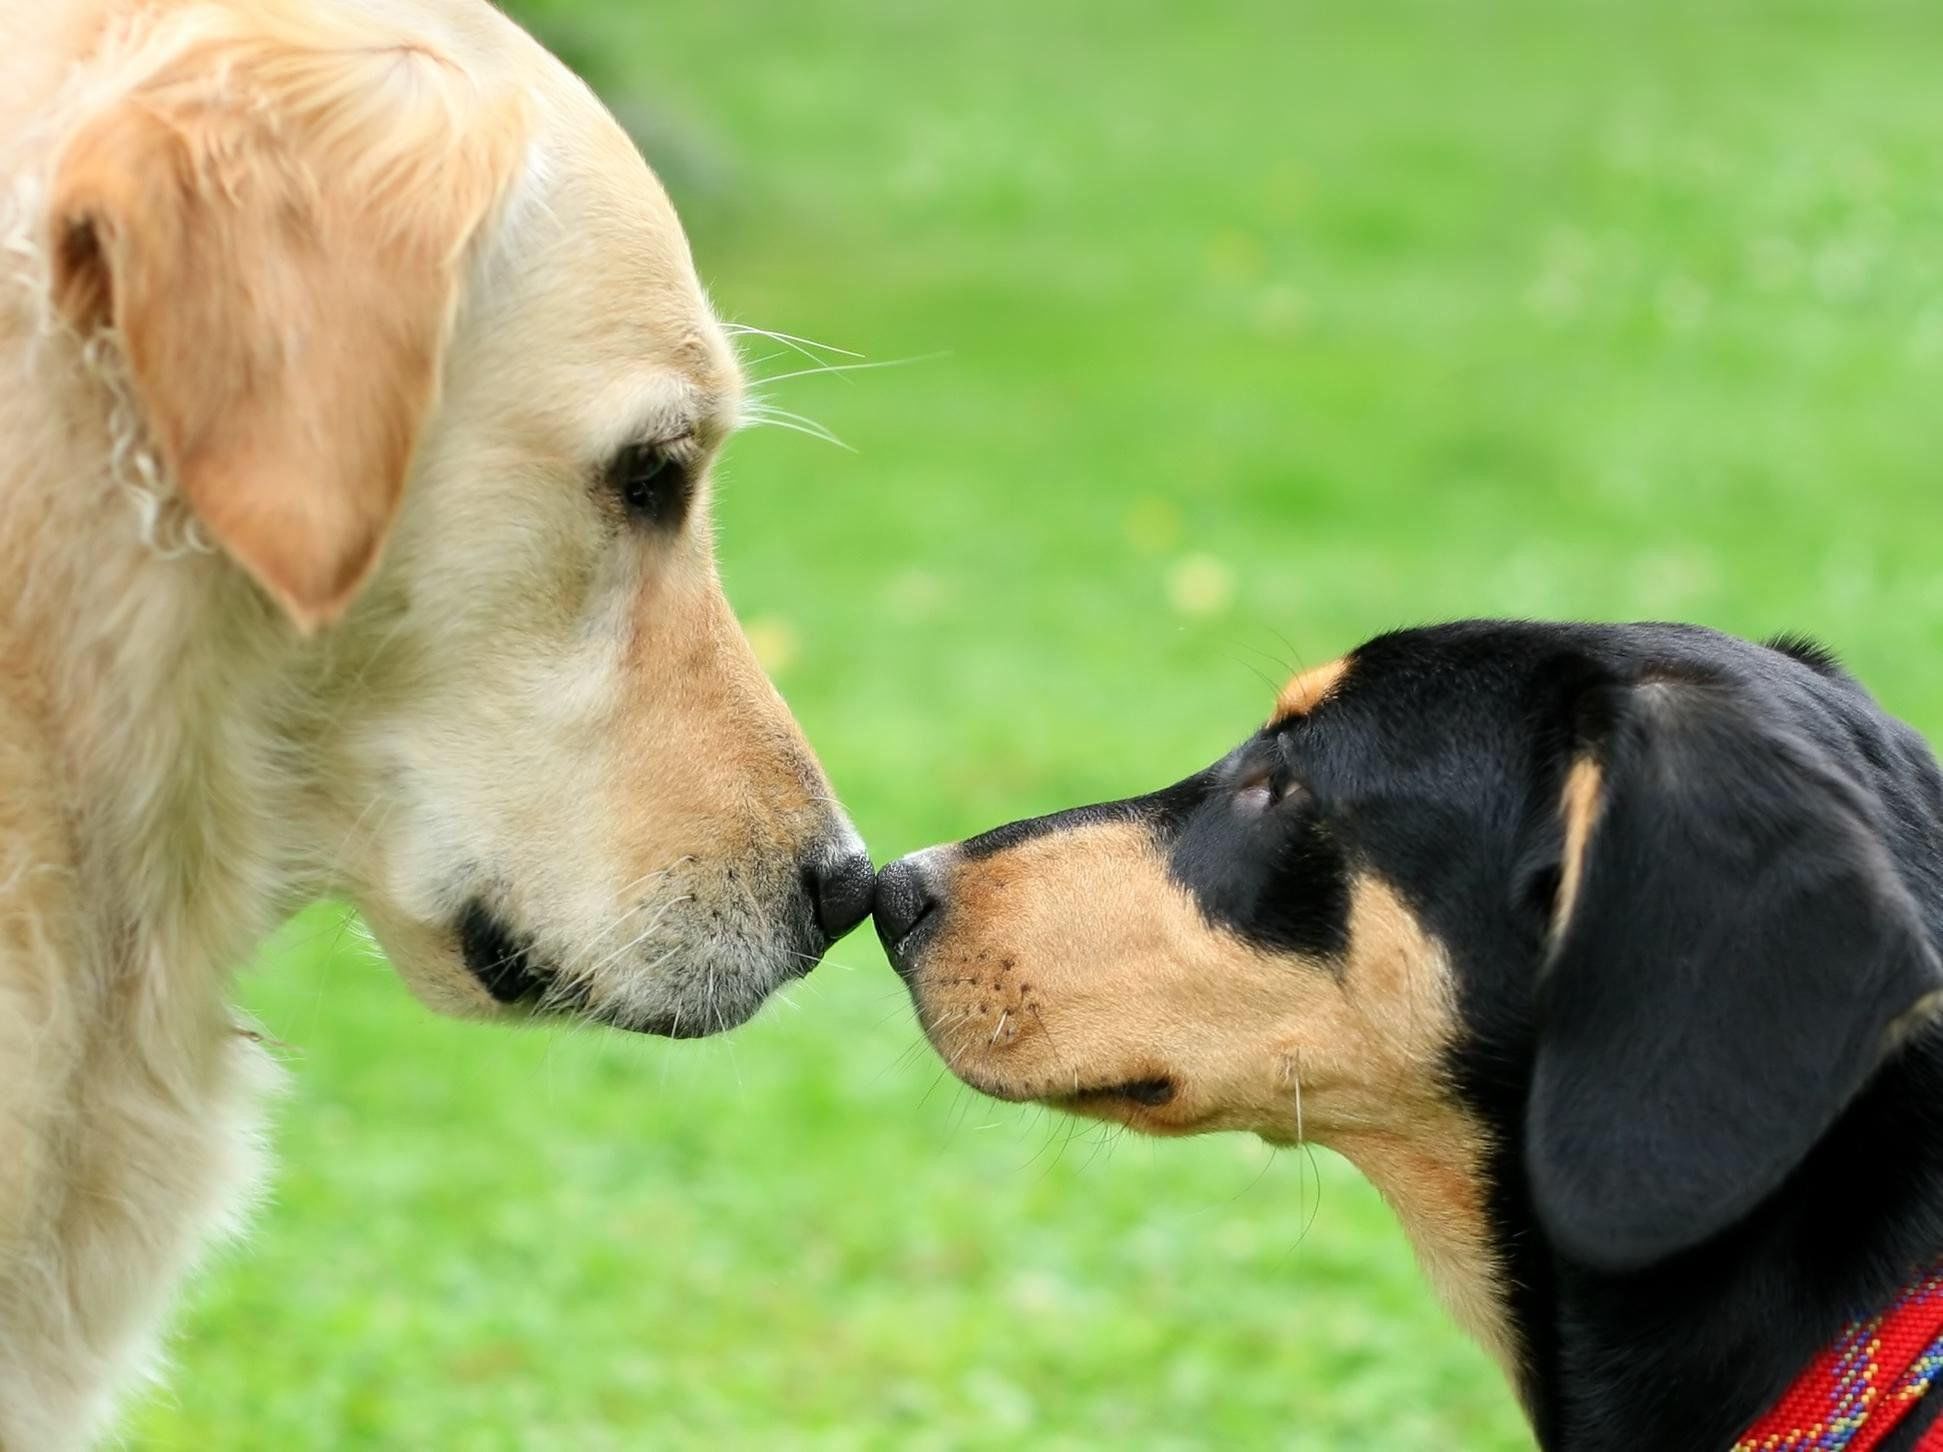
(905, 901)
(839, 885)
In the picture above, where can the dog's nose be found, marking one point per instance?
(906, 899)
(839, 883)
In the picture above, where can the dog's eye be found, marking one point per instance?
(1262, 791)
(652, 483)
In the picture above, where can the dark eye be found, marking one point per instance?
(652, 483)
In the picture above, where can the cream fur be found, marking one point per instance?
(344, 614)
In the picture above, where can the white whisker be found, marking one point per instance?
(848, 368)
(776, 421)
(788, 340)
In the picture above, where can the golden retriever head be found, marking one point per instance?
(411, 338)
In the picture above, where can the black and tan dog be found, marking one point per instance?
(1606, 952)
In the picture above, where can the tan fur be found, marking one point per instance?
(1072, 963)
(1308, 690)
(1579, 805)
(316, 323)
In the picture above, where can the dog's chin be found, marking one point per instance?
(1112, 1098)
(1142, 1096)
(684, 990)
(1146, 1098)
(480, 967)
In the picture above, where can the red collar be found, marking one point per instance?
(1856, 1390)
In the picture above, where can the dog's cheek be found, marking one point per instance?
(426, 956)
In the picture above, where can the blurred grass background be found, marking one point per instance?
(1251, 329)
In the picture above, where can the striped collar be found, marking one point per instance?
(1858, 1388)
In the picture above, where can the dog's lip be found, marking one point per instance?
(902, 951)
(902, 964)
(1150, 1091)
(496, 956)
(522, 984)
(805, 961)
(1141, 1091)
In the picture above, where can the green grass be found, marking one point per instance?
(1265, 325)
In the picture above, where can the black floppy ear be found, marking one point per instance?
(1731, 951)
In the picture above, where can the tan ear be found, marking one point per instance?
(273, 222)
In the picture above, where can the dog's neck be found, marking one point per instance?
(136, 806)
(1433, 1181)
(164, 685)
(1690, 1353)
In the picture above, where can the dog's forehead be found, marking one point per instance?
(1439, 714)
(1459, 677)
(1393, 689)
(589, 283)
(625, 279)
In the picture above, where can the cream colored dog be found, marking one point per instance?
(358, 402)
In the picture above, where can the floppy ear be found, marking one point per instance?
(272, 221)
(1731, 952)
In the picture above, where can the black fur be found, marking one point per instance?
(1718, 1096)
(1811, 653)
(1713, 1153)
(500, 960)
(1739, 948)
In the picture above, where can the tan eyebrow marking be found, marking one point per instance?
(1308, 690)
